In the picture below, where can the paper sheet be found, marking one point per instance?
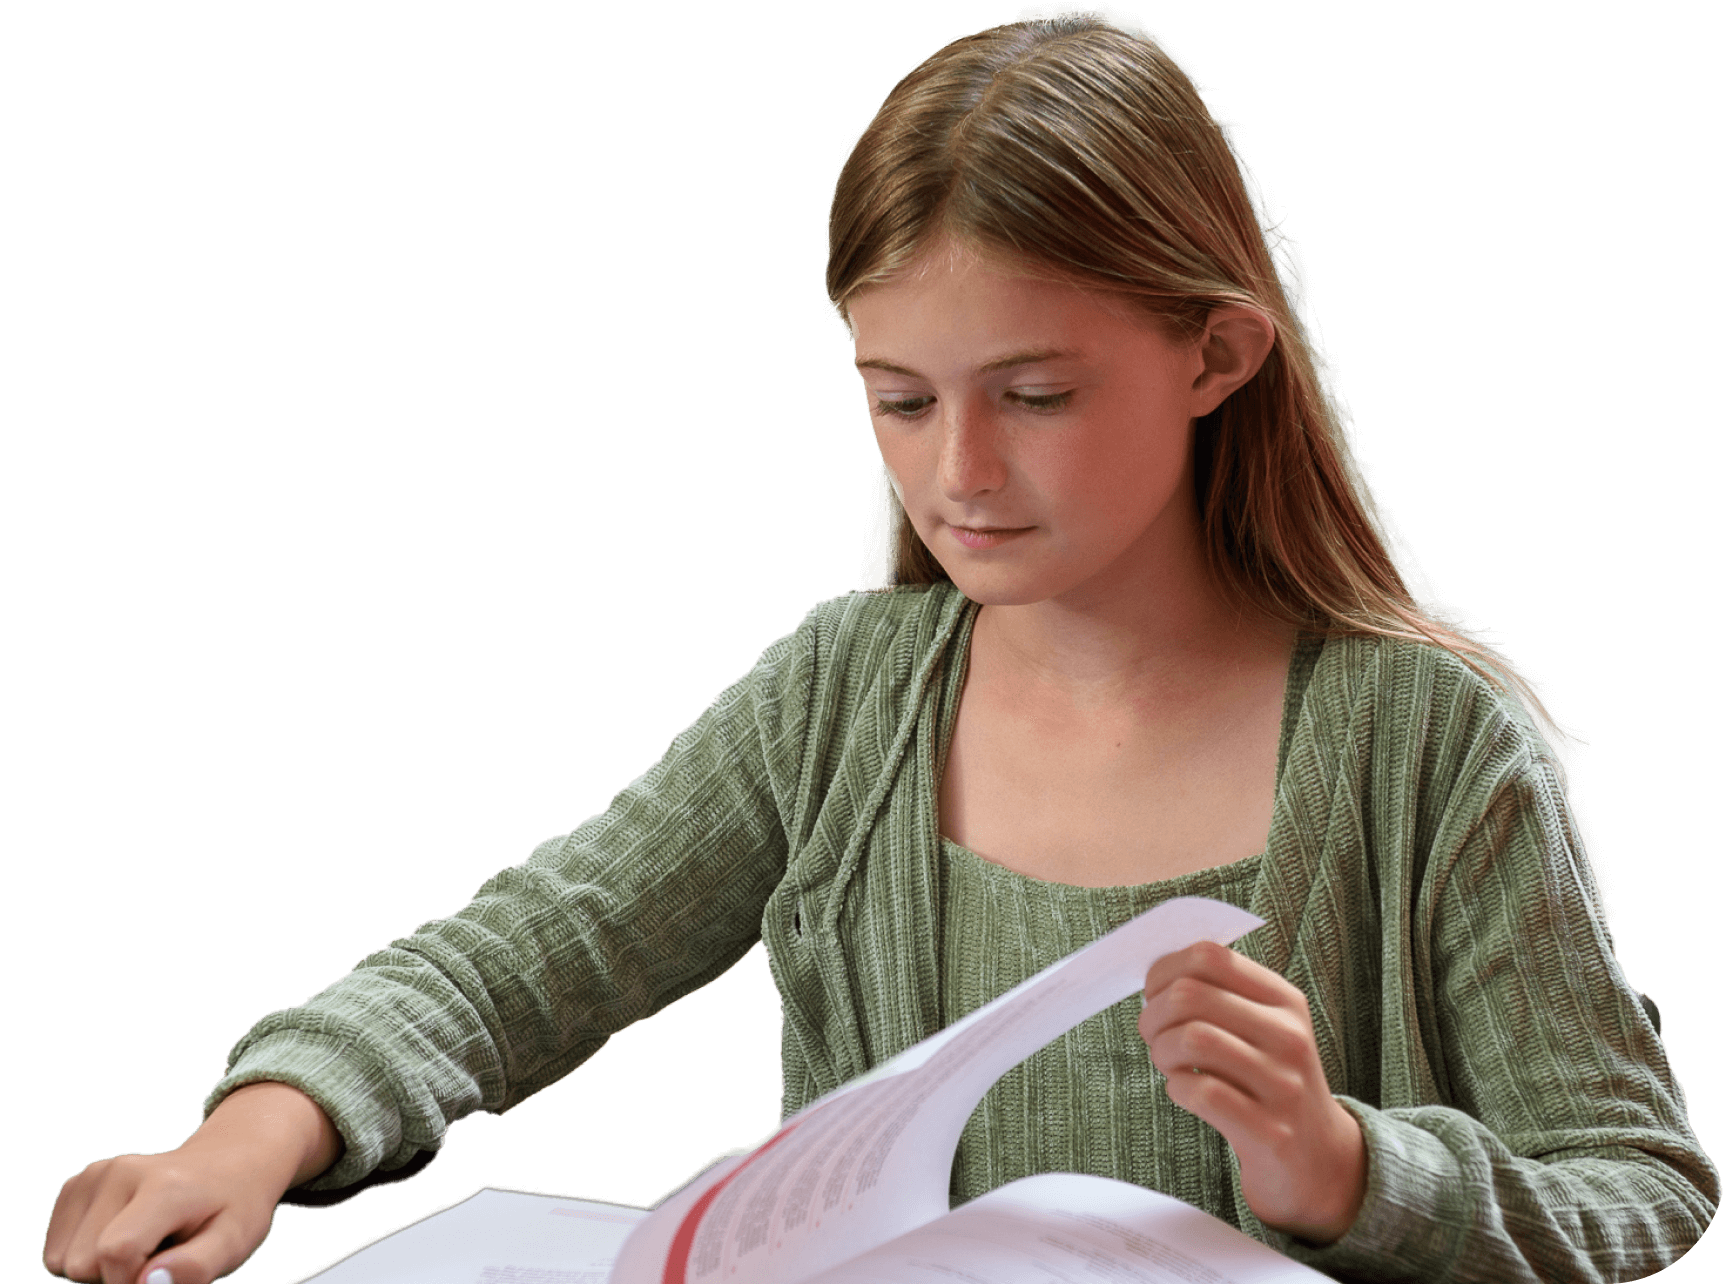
(496, 1237)
(872, 1160)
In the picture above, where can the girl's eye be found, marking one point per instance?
(912, 409)
(1041, 401)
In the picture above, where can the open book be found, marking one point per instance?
(853, 1188)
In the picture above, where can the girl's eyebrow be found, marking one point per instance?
(1005, 363)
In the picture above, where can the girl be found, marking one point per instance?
(1145, 642)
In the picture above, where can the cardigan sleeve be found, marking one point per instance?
(1563, 1151)
(640, 905)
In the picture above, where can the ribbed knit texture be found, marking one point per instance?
(1422, 884)
(1090, 1102)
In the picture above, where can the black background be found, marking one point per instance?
(432, 421)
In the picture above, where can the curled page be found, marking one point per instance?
(872, 1160)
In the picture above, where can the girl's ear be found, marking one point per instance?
(1234, 345)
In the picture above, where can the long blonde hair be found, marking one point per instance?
(1082, 153)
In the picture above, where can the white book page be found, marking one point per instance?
(873, 1159)
(496, 1237)
(1073, 1229)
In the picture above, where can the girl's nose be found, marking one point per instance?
(971, 461)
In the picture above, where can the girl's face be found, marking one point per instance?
(1039, 436)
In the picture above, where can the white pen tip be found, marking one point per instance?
(159, 1276)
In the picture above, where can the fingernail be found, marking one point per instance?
(159, 1276)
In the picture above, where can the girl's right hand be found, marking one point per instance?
(112, 1219)
(199, 1211)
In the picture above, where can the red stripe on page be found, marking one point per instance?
(677, 1260)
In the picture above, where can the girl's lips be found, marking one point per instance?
(974, 539)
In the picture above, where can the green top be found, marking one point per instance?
(1422, 884)
(1090, 1102)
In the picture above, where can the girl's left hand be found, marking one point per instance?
(1235, 1042)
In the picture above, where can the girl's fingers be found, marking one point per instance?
(218, 1248)
(1224, 968)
